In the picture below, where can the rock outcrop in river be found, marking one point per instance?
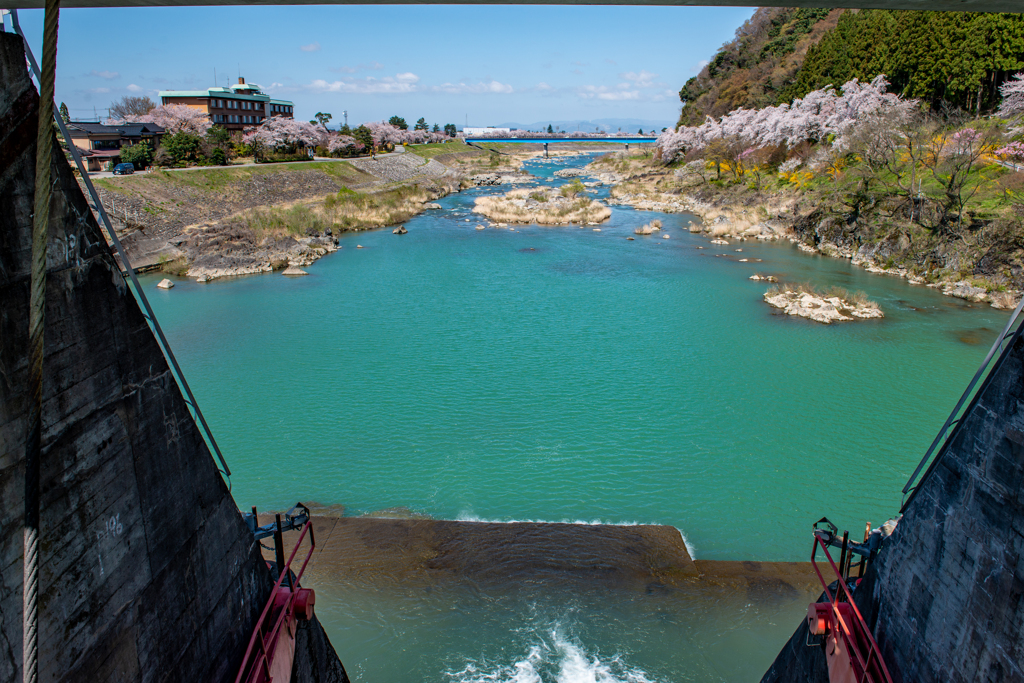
(823, 308)
(543, 206)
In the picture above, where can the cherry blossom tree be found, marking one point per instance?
(179, 118)
(279, 133)
(820, 115)
(1012, 91)
(344, 144)
(1013, 151)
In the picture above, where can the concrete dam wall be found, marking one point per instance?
(148, 572)
(943, 596)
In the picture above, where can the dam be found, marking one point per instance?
(175, 580)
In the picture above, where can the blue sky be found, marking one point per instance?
(491, 63)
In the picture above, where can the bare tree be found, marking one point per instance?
(130, 108)
(953, 160)
(890, 148)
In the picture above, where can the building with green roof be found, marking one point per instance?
(234, 107)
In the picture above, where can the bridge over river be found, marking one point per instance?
(611, 138)
(619, 139)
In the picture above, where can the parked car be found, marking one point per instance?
(124, 169)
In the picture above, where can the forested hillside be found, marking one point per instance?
(956, 58)
(758, 66)
(953, 59)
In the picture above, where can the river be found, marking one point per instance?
(564, 374)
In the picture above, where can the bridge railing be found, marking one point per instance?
(993, 361)
(847, 624)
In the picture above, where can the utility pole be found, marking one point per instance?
(346, 117)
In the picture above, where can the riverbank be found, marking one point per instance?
(982, 263)
(218, 222)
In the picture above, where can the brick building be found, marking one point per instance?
(234, 108)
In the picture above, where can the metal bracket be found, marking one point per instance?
(295, 518)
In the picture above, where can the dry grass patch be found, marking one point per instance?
(345, 211)
(841, 298)
(648, 228)
(544, 207)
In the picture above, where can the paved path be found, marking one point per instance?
(109, 174)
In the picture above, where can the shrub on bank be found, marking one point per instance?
(140, 155)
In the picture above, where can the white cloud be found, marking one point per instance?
(601, 92)
(312, 47)
(106, 75)
(643, 79)
(699, 66)
(481, 88)
(134, 88)
(401, 83)
(372, 66)
(544, 87)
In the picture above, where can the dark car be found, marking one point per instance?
(124, 169)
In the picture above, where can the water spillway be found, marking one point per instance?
(555, 374)
(533, 373)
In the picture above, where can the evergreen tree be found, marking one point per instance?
(363, 135)
(957, 57)
(421, 124)
(450, 130)
(550, 129)
(64, 114)
(398, 122)
(437, 128)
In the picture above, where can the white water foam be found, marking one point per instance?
(470, 517)
(556, 659)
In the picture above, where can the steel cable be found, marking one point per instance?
(36, 316)
(132, 280)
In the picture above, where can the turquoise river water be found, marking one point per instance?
(563, 374)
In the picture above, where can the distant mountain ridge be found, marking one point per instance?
(607, 125)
